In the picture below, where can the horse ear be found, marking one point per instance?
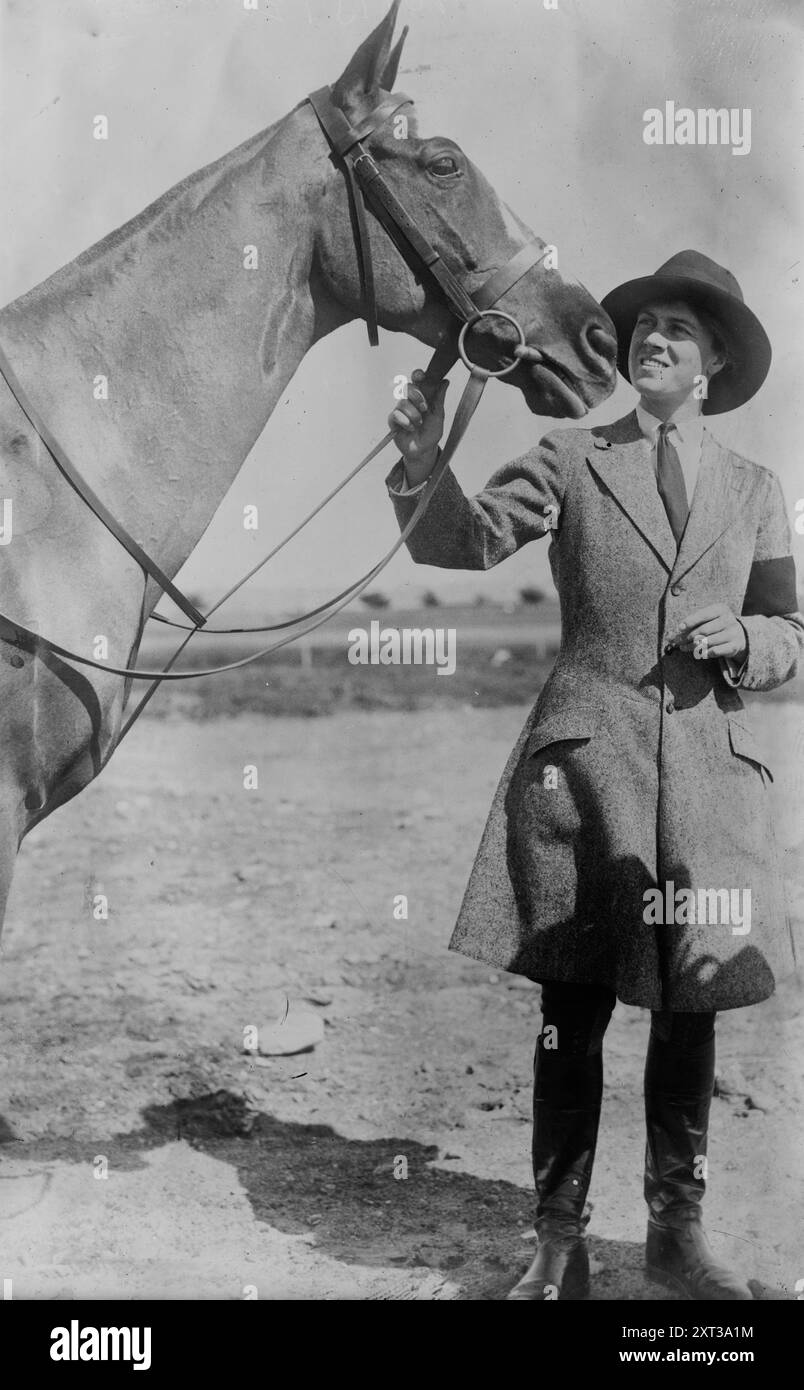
(388, 79)
(366, 70)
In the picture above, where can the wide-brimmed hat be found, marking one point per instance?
(699, 281)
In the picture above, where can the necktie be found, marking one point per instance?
(670, 481)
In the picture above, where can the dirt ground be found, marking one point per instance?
(393, 1161)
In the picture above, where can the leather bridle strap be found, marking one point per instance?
(407, 237)
(19, 635)
(88, 495)
(443, 358)
(508, 275)
(342, 138)
(340, 133)
(346, 142)
(362, 173)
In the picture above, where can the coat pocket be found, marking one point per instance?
(560, 728)
(744, 745)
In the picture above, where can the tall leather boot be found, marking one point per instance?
(566, 1114)
(679, 1080)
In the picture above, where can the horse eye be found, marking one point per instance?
(443, 164)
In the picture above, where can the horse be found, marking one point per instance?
(157, 357)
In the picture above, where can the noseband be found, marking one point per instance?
(366, 189)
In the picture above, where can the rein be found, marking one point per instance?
(365, 187)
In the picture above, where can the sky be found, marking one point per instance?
(549, 103)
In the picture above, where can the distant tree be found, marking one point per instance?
(479, 601)
(531, 595)
(375, 600)
(430, 599)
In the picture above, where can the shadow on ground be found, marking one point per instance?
(302, 1178)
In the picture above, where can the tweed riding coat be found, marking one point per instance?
(637, 770)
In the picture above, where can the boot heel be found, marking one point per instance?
(679, 1258)
(576, 1282)
(555, 1267)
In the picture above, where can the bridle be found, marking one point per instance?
(366, 187)
(362, 175)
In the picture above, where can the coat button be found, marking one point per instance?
(670, 704)
(678, 588)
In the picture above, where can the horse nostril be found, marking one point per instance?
(602, 343)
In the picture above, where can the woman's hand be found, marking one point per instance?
(417, 426)
(711, 632)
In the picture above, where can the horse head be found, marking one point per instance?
(571, 365)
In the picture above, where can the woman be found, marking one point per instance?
(629, 850)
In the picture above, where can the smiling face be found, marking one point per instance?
(672, 348)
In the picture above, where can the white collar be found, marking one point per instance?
(689, 431)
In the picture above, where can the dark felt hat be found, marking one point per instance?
(700, 282)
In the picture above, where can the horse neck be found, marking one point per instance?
(196, 335)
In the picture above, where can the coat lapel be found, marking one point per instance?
(720, 494)
(620, 459)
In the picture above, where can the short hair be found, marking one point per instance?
(715, 331)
